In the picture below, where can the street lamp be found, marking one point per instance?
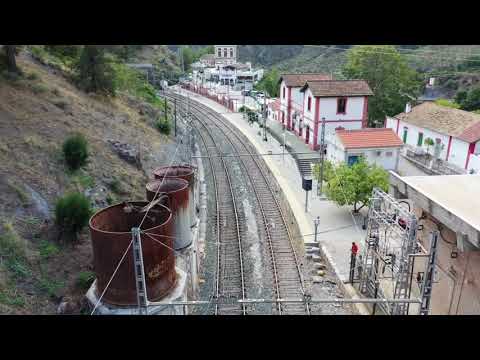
(316, 222)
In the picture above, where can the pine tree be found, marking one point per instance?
(95, 72)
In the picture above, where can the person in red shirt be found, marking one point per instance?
(354, 248)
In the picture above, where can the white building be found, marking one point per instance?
(291, 99)
(225, 54)
(341, 103)
(378, 146)
(456, 133)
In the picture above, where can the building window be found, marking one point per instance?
(420, 139)
(389, 154)
(219, 52)
(405, 133)
(309, 104)
(341, 105)
(231, 52)
(284, 93)
(225, 52)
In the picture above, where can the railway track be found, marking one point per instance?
(229, 284)
(286, 273)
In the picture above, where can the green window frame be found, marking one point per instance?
(420, 139)
(405, 132)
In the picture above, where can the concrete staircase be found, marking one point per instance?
(305, 164)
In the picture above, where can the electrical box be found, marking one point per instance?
(307, 183)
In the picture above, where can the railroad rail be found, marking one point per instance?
(229, 279)
(287, 275)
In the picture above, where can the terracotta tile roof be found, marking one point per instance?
(369, 138)
(463, 125)
(298, 80)
(338, 88)
(274, 105)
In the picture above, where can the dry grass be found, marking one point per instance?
(32, 130)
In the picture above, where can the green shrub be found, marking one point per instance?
(39, 88)
(85, 279)
(116, 186)
(447, 103)
(48, 249)
(163, 126)
(12, 246)
(32, 76)
(75, 151)
(72, 213)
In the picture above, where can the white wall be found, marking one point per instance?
(458, 148)
(336, 153)
(474, 164)
(354, 110)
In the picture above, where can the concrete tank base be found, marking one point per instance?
(178, 293)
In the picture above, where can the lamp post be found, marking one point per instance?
(316, 222)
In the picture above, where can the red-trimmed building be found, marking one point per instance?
(455, 133)
(291, 99)
(342, 103)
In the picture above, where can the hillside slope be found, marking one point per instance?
(36, 116)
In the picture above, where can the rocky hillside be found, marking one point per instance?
(37, 113)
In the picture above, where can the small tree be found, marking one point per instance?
(72, 213)
(75, 151)
(429, 142)
(353, 185)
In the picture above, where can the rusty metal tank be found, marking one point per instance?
(183, 172)
(178, 193)
(110, 231)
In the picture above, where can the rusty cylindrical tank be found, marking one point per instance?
(182, 172)
(178, 195)
(110, 230)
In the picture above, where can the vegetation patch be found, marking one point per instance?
(48, 249)
(85, 279)
(75, 151)
(72, 213)
(163, 126)
(39, 88)
(21, 193)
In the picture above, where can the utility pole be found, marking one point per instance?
(166, 117)
(265, 118)
(175, 114)
(322, 155)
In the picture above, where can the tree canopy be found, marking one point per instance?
(392, 81)
(95, 71)
(353, 185)
(469, 100)
(269, 82)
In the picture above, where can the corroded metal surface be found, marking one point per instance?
(178, 194)
(110, 231)
(179, 172)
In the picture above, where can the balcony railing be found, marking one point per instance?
(431, 164)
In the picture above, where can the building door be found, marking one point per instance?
(352, 159)
(405, 133)
(307, 135)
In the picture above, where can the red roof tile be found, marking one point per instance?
(275, 105)
(369, 138)
(298, 80)
(338, 88)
